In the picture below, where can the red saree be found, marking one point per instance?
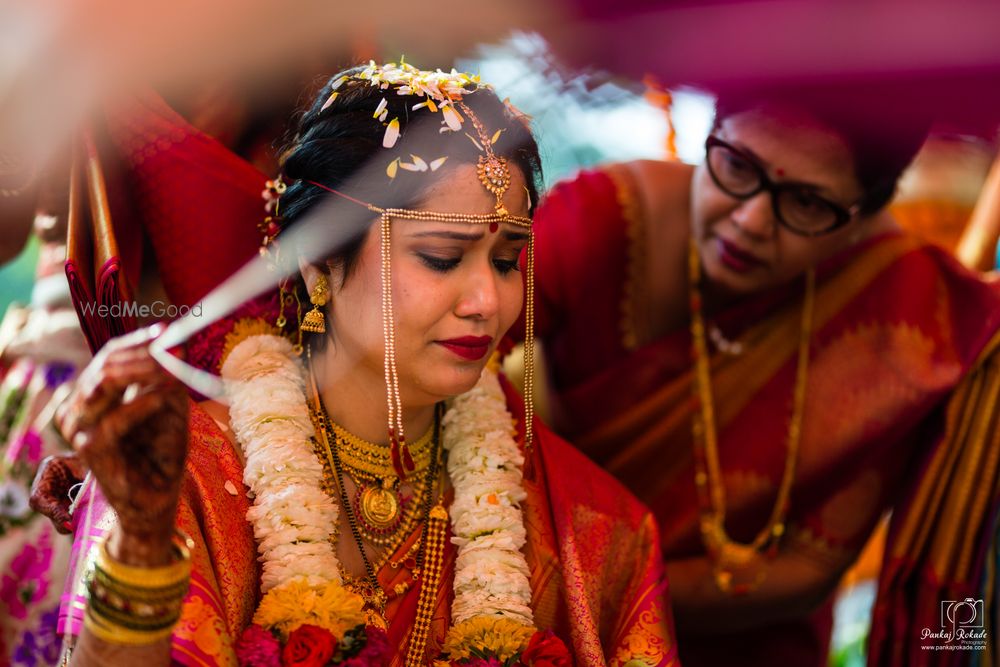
(596, 572)
(897, 326)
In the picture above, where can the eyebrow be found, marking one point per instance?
(815, 188)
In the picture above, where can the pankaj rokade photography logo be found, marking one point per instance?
(963, 627)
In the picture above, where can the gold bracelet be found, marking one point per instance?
(136, 605)
(150, 577)
(113, 633)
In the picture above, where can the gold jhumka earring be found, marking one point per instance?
(314, 321)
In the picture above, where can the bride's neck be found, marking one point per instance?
(355, 398)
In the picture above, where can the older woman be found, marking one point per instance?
(475, 538)
(755, 349)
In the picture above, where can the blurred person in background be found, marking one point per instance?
(756, 349)
(42, 350)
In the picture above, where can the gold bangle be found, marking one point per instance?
(137, 605)
(113, 633)
(150, 577)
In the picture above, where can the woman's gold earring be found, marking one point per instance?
(314, 321)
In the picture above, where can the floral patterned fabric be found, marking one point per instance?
(47, 353)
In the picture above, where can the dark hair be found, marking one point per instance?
(882, 138)
(332, 145)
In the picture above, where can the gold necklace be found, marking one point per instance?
(385, 517)
(369, 588)
(739, 567)
(372, 461)
(430, 546)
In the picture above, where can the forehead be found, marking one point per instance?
(459, 190)
(794, 146)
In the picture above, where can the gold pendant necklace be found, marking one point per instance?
(739, 568)
(385, 517)
(430, 546)
(371, 592)
(378, 506)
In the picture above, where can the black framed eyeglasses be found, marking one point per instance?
(796, 206)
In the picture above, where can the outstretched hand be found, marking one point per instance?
(127, 421)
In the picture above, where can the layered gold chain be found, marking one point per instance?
(372, 462)
(739, 567)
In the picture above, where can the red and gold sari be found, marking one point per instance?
(596, 571)
(898, 325)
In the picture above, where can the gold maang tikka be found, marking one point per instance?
(493, 171)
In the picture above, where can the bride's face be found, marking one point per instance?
(456, 289)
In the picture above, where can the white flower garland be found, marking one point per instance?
(485, 464)
(293, 517)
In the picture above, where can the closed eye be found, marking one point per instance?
(446, 264)
(505, 266)
(439, 264)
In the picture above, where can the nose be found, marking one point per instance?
(479, 297)
(755, 216)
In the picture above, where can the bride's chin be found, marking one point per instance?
(454, 381)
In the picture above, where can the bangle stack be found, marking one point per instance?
(137, 605)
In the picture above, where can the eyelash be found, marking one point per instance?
(504, 266)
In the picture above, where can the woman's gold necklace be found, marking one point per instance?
(385, 517)
(334, 468)
(430, 547)
(738, 567)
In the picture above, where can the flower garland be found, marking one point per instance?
(306, 610)
(292, 516)
(492, 590)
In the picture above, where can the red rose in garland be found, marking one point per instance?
(546, 650)
(308, 646)
(258, 648)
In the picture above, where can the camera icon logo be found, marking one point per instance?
(967, 613)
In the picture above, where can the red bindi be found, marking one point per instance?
(780, 172)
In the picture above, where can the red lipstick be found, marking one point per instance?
(737, 259)
(472, 348)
